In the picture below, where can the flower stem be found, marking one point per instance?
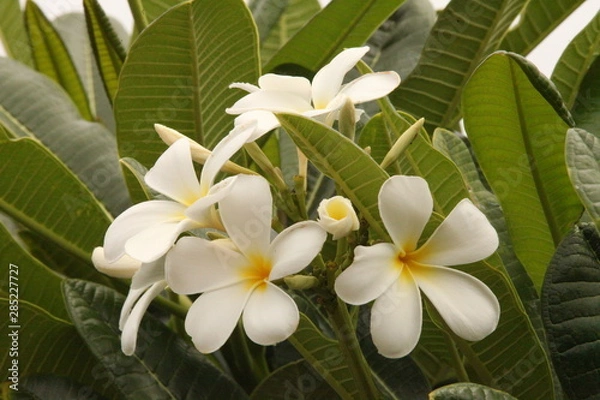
(456, 359)
(139, 14)
(355, 359)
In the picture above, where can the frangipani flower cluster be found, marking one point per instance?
(239, 275)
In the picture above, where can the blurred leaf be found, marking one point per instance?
(52, 57)
(295, 16)
(49, 345)
(177, 73)
(571, 312)
(539, 18)
(56, 204)
(518, 139)
(266, 14)
(163, 366)
(576, 60)
(336, 156)
(342, 24)
(108, 50)
(583, 164)
(463, 35)
(586, 110)
(134, 173)
(33, 106)
(468, 391)
(13, 33)
(39, 285)
(53, 387)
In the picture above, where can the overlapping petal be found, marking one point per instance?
(405, 205)
(246, 213)
(148, 274)
(197, 265)
(297, 85)
(465, 236)
(370, 86)
(265, 121)
(270, 316)
(373, 271)
(213, 316)
(397, 317)
(294, 248)
(275, 101)
(124, 267)
(173, 174)
(467, 305)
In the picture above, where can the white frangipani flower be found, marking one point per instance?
(238, 281)
(147, 230)
(393, 274)
(337, 216)
(321, 100)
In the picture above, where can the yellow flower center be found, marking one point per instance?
(337, 210)
(257, 272)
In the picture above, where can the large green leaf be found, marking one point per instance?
(586, 110)
(342, 24)
(518, 139)
(571, 312)
(33, 106)
(295, 16)
(52, 58)
(155, 8)
(53, 387)
(48, 345)
(356, 173)
(163, 366)
(468, 391)
(266, 14)
(539, 18)
(576, 60)
(464, 34)
(40, 192)
(178, 71)
(13, 33)
(583, 163)
(39, 285)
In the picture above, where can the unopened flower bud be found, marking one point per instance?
(337, 216)
(124, 267)
(300, 282)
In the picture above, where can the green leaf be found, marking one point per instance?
(48, 345)
(342, 24)
(357, 174)
(163, 366)
(52, 57)
(576, 60)
(134, 173)
(108, 50)
(539, 18)
(468, 391)
(205, 46)
(266, 14)
(13, 33)
(586, 110)
(583, 164)
(571, 312)
(39, 285)
(518, 139)
(53, 387)
(464, 34)
(155, 8)
(55, 203)
(33, 106)
(295, 16)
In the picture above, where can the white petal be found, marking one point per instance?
(246, 213)
(270, 316)
(132, 323)
(397, 317)
(197, 265)
(328, 80)
(136, 219)
(202, 211)
(132, 296)
(275, 101)
(467, 305)
(154, 242)
(465, 236)
(372, 272)
(296, 85)
(265, 122)
(295, 247)
(223, 151)
(337, 216)
(405, 205)
(124, 267)
(149, 273)
(173, 174)
(248, 87)
(371, 86)
(213, 316)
